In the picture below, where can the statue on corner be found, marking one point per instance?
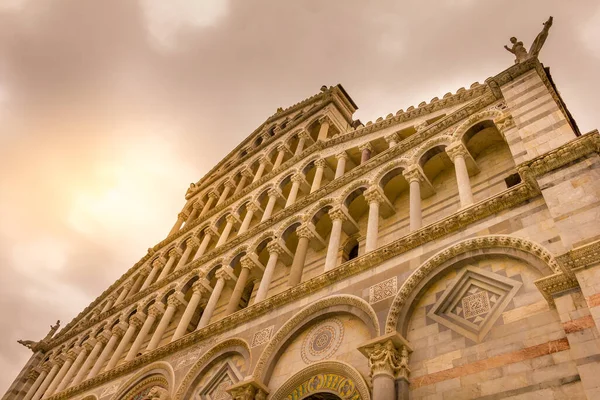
(519, 50)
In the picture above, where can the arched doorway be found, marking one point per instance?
(323, 396)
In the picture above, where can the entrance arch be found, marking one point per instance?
(326, 380)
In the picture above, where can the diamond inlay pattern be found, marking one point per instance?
(473, 303)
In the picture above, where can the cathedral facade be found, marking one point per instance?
(449, 251)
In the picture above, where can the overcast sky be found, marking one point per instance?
(110, 108)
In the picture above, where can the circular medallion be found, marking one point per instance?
(322, 340)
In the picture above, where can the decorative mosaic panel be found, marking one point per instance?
(383, 290)
(262, 336)
(338, 384)
(322, 341)
(473, 303)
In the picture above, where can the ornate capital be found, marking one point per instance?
(374, 195)
(159, 262)
(248, 263)
(174, 301)
(232, 219)
(137, 319)
(336, 213)
(394, 137)
(273, 193)
(193, 241)
(324, 119)
(212, 231)
(412, 174)
(304, 135)
(320, 163)
(282, 147)
(265, 160)
(154, 311)
(200, 288)
(366, 146)
(456, 150)
(303, 231)
(183, 215)
(387, 355)
(298, 178)
(422, 126)
(275, 248)
(119, 329)
(71, 355)
(214, 195)
(198, 205)
(88, 345)
(175, 252)
(251, 207)
(247, 173)
(128, 285)
(341, 155)
(248, 390)
(145, 271)
(104, 336)
(225, 273)
(230, 183)
(33, 374)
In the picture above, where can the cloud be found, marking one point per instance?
(109, 109)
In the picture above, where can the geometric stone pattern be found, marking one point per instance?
(262, 336)
(473, 302)
(322, 341)
(383, 290)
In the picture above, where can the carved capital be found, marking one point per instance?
(71, 355)
(214, 195)
(324, 119)
(159, 262)
(341, 155)
(119, 329)
(225, 273)
(33, 374)
(387, 355)
(282, 148)
(175, 252)
(373, 195)
(200, 288)
(174, 301)
(212, 231)
(230, 183)
(303, 231)
(247, 173)
(304, 135)
(137, 319)
(248, 390)
(336, 213)
(412, 174)
(274, 193)
(422, 126)
(155, 311)
(198, 205)
(394, 137)
(366, 146)
(251, 207)
(248, 263)
(104, 336)
(298, 178)
(320, 163)
(275, 248)
(232, 219)
(145, 271)
(456, 150)
(183, 215)
(192, 242)
(89, 345)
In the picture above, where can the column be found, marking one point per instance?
(296, 180)
(458, 154)
(414, 178)
(181, 217)
(190, 244)
(223, 274)
(388, 362)
(304, 235)
(50, 374)
(262, 164)
(93, 354)
(83, 351)
(173, 302)
(212, 197)
(365, 152)
(273, 194)
(110, 300)
(173, 254)
(240, 285)
(231, 221)
(110, 338)
(274, 251)
(196, 208)
(126, 288)
(319, 168)
(34, 388)
(209, 233)
(250, 210)
(246, 175)
(302, 138)
(374, 198)
(228, 187)
(281, 153)
(198, 290)
(69, 357)
(337, 218)
(156, 265)
(144, 272)
(324, 129)
(153, 313)
(392, 140)
(340, 169)
(135, 322)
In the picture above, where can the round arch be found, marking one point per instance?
(491, 114)
(335, 304)
(519, 248)
(360, 184)
(159, 374)
(403, 163)
(221, 349)
(443, 140)
(316, 379)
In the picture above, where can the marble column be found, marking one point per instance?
(110, 300)
(319, 169)
(337, 218)
(246, 176)
(36, 384)
(173, 302)
(156, 266)
(137, 284)
(110, 338)
(123, 294)
(374, 199)
(209, 233)
(212, 197)
(181, 217)
(250, 210)
(323, 129)
(173, 254)
(392, 140)
(365, 152)
(231, 222)
(414, 178)
(190, 245)
(274, 250)
(135, 322)
(238, 290)
(303, 137)
(196, 208)
(281, 150)
(50, 374)
(458, 153)
(296, 181)
(93, 354)
(69, 358)
(340, 169)
(154, 311)
(388, 361)
(81, 356)
(223, 275)
(227, 188)
(273, 194)
(198, 291)
(304, 235)
(262, 164)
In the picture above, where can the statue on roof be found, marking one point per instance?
(191, 190)
(53, 329)
(519, 50)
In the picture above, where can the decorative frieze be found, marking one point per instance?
(383, 290)
(261, 337)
